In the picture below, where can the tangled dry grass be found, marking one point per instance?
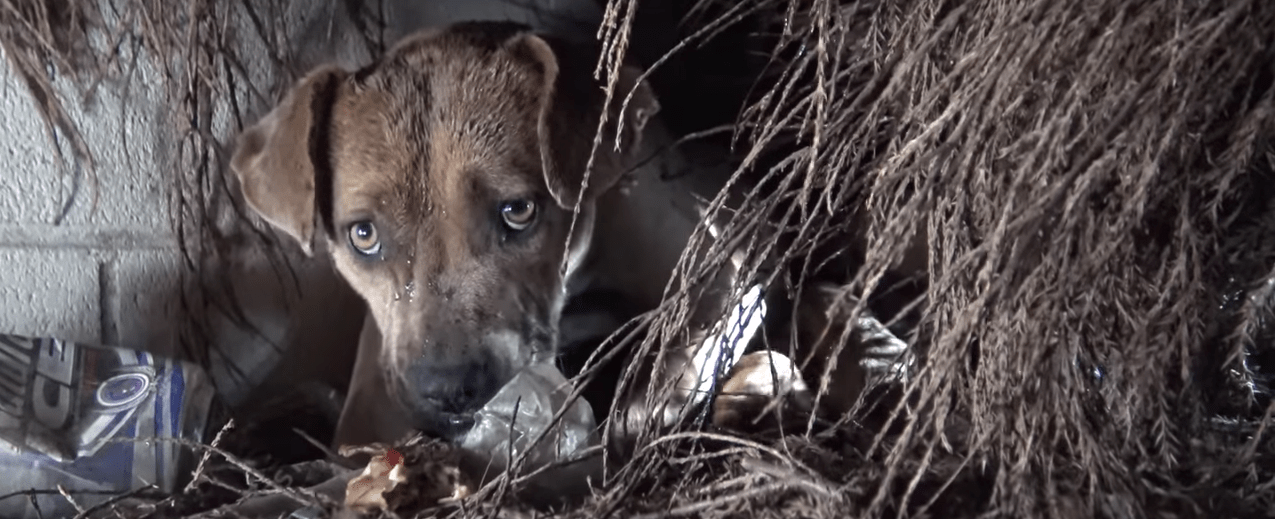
(1092, 182)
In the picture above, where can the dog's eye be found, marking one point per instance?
(518, 214)
(364, 239)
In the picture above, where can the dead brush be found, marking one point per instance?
(1094, 186)
(1093, 182)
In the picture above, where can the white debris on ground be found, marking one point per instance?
(366, 492)
(720, 352)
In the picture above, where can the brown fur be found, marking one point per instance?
(426, 144)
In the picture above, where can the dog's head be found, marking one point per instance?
(444, 178)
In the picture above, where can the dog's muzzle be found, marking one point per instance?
(442, 397)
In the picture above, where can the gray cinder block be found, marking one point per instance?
(52, 292)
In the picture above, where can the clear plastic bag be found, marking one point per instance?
(525, 408)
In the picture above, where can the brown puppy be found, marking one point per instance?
(444, 178)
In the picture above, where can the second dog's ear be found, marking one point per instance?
(570, 106)
(274, 159)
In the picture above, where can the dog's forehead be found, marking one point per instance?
(436, 119)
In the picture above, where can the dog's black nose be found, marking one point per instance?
(444, 397)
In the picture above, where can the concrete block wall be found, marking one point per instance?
(109, 270)
(73, 278)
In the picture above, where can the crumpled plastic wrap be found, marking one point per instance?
(536, 394)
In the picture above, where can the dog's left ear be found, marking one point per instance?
(571, 104)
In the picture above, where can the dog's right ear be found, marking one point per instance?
(274, 159)
(571, 104)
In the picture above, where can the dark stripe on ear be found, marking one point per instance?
(321, 105)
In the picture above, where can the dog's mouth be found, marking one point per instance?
(433, 420)
(513, 420)
(443, 392)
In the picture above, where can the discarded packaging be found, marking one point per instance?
(418, 474)
(521, 411)
(94, 421)
(366, 492)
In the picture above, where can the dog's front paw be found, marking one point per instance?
(760, 388)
